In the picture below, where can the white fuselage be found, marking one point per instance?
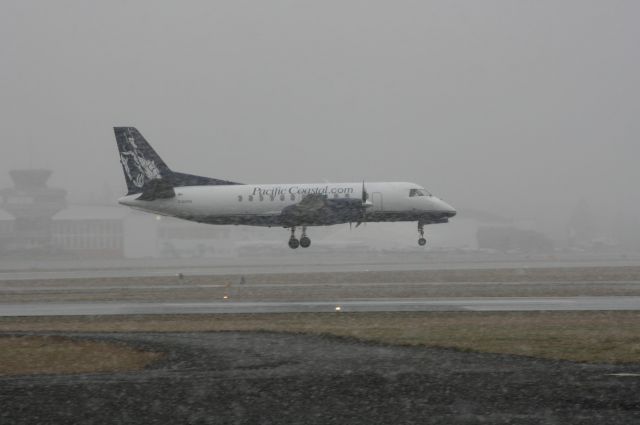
(261, 205)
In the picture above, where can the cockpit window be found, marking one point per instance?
(418, 192)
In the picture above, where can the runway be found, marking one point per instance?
(371, 305)
(89, 270)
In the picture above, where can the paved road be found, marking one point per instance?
(453, 304)
(64, 286)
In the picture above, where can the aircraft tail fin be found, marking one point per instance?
(140, 163)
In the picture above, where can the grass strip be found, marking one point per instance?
(26, 355)
(597, 337)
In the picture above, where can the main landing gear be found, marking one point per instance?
(304, 241)
(422, 241)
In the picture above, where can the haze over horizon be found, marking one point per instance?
(521, 109)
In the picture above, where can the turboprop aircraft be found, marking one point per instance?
(153, 187)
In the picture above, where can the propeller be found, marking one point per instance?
(366, 203)
(365, 195)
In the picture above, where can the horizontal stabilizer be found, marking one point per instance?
(183, 179)
(157, 189)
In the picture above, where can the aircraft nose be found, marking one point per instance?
(447, 210)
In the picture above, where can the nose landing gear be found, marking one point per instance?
(304, 241)
(422, 241)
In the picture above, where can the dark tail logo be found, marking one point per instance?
(141, 164)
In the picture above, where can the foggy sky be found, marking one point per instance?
(520, 108)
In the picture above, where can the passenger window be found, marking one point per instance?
(272, 197)
(250, 198)
(239, 198)
(282, 197)
(293, 197)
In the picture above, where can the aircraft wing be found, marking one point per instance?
(317, 209)
(312, 202)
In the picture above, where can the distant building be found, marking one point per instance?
(581, 228)
(179, 238)
(90, 231)
(507, 239)
(32, 205)
(6, 229)
(36, 219)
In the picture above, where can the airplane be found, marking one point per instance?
(153, 187)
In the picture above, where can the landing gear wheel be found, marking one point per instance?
(305, 242)
(294, 243)
(422, 241)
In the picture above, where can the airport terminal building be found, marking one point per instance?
(37, 219)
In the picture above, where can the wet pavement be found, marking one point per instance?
(272, 378)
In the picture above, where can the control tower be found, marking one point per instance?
(33, 204)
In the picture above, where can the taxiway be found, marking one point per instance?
(372, 305)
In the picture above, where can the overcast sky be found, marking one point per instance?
(516, 107)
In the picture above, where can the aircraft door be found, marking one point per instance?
(376, 200)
